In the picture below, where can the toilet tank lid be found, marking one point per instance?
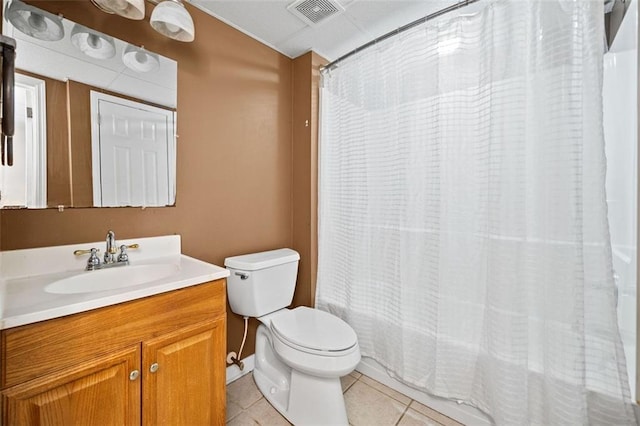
(262, 260)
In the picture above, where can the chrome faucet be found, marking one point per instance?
(110, 252)
(110, 258)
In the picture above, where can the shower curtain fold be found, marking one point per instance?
(462, 217)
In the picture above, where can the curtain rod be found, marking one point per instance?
(397, 31)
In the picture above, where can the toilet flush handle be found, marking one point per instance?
(242, 275)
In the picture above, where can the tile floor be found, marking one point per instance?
(369, 403)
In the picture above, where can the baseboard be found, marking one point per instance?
(234, 372)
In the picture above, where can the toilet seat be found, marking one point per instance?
(314, 331)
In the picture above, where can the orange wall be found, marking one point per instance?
(234, 165)
(306, 77)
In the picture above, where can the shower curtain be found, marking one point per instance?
(462, 223)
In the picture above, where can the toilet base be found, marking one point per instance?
(301, 398)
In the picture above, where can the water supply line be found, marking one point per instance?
(232, 358)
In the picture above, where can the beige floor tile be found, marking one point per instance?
(264, 414)
(355, 374)
(233, 410)
(386, 390)
(435, 415)
(243, 419)
(346, 382)
(243, 391)
(367, 406)
(413, 418)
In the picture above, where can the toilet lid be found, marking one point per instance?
(314, 329)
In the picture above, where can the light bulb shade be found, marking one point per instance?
(171, 19)
(139, 60)
(92, 43)
(34, 22)
(132, 9)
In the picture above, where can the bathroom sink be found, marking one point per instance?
(50, 282)
(113, 278)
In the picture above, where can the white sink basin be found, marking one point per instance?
(112, 278)
(49, 282)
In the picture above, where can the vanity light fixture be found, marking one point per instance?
(92, 43)
(131, 9)
(170, 18)
(140, 60)
(34, 22)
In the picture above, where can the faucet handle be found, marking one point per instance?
(90, 251)
(94, 260)
(123, 256)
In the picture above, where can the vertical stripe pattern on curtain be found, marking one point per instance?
(462, 222)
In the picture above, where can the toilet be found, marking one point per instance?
(300, 353)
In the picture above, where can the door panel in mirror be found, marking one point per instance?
(134, 142)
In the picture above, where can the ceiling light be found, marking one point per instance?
(93, 43)
(132, 9)
(34, 22)
(140, 60)
(170, 18)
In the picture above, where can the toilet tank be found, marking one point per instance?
(261, 283)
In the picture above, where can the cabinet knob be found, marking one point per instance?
(134, 375)
(154, 367)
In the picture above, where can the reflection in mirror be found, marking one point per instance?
(64, 50)
(132, 144)
(74, 60)
(25, 183)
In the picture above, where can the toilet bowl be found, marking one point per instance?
(300, 353)
(301, 377)
(314, 342)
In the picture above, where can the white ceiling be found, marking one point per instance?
(270, 22)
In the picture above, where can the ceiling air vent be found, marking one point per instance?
(315, 12)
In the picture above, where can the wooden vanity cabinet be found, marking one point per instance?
(96, 392)
(179, 360)
(153, 361)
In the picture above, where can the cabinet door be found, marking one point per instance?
(99, 392)
(184, 376)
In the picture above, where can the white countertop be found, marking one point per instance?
(24, 274)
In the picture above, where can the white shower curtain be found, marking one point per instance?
(462, 224)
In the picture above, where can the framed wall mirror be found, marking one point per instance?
(72, 63)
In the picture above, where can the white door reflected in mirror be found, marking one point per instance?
(133, 151)
(25, 183)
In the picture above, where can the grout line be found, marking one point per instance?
(349, 387)
(254, 403)
(431, 417)
(403, 413)
(388, 396)
(395, 392)
(237, 414)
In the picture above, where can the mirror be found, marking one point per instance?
(81, 61)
